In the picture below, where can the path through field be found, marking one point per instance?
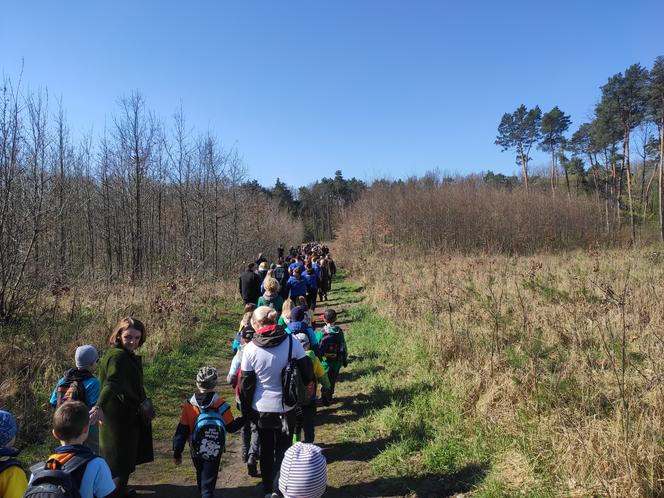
(348, 453)
(348, 460)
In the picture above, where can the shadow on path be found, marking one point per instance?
(426, 486)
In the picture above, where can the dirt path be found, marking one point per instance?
(348, 467)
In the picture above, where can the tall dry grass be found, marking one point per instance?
(561, 353)
(37, 348)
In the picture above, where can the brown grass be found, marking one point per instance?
(561, 352)
(36, 349)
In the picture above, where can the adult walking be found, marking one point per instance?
(250, 285)
(261, 390)
(126, 434)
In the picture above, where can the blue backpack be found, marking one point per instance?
(208, 440)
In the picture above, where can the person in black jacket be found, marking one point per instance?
(250, 285)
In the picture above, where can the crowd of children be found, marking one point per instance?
(290, 287)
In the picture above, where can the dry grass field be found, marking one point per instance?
(555, 361)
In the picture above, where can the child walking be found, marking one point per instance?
(305, 420)
(73, 465)
(80, 384)
(12, 477)
(332, 345)
(250, 447)
(204, 421)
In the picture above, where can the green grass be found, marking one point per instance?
(170, 377)
(416, 417)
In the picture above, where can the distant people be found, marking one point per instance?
(280, 252)
(125, 436)
(79, 384)
(204, 422)
(303, 472)
(250, 285)
(12, 478)
(333, 350)
(88, 474)
(261, 390)
(260, 259)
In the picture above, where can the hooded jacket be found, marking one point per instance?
(267, 337)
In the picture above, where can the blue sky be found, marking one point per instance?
(374, 88)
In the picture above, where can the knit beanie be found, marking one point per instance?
(7, 428)
(86, 356)
(303, 472)
(206, 378)
(297, 314)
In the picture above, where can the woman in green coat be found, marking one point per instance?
(125, 439)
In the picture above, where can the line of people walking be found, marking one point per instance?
(104, 421)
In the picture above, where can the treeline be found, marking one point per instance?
(616, 156)
(466, 215)
(320, 206)
(147, 197)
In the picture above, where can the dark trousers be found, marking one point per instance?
(332, 374)
(206, 476)
(274, 443)
(306, 422)
(311, 299)
(250, 444)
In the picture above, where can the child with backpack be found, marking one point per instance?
(244, 323)
(305, 419)
(250, 448)
(79, 384)
(12, 477)
(298, 325)
(73, 470)
(308, 314)
(204, 422)
(332, 345)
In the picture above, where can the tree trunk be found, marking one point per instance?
(629, 186)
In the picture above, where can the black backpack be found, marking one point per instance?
(53, 479)
(330, 346)
(295, 391)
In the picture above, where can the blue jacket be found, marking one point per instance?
(297, 287)
(312, 280)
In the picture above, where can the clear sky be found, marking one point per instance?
(374, 88)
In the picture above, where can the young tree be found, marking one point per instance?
(554, 125)
(520, 131)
